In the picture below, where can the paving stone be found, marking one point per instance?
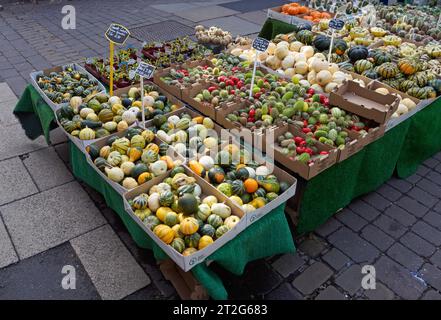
(6, 94)
(405, 257)
(58, 136)
(422, 170)
(377, 237)
(398, 279)
(417, 244)
(350, 279)
(352, 220)
(390, 226)
(433, 218)
(423, 197)
(436, 258)
(50, 218)
(63, 151)
(233, 24)
(205, 13)
(288, 264)
(7, 252)
(364, 210)
(400, 215)
(432, 275)
(381, 292)
(427, 232)
(328, 227)
(17, 84)
(389, 193)
(148, 293)
(284, 292)
(312, 247)
(336, 259)
(43, 277)
(430, 187)
(437, 207)
(16, 143)
(400, 184)
(47, 169)
(330, 293)
(412, 206)
(413, 178)
(353, 246)
(15, 181)
(258, 17)
(431, 295)
(7, 118)
(434, 177)
(268, 279)
(113, 270)
(377, 201)
(431, 163)
(312, 278)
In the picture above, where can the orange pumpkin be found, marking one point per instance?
(165, 233)
(198, 120)
(293, 11)
(251, 185)
(189, 226)
(169, 161)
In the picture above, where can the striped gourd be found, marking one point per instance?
(388, 70)
(362, 65)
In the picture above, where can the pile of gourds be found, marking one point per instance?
(180, 216)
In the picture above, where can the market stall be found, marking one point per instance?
(333, 112)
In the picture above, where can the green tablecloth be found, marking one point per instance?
(403, 148)
(233, 256)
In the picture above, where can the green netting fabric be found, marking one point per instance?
(34, 114)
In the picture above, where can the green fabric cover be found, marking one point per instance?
(272, 28)
(32, 105)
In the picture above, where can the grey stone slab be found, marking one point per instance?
(7, 252)
(417, 244)
(432, 275)
(358, 249)
(40, 277)
(312, 278)
(430, 187)
(431, 295)
(328, 227)
(377, 237)
(352, 220)
(330, 293)
(47, 169)
(6, 94)
(422, 170)
(397, 278)
(377, 201)
(47, 219)
(412, 206)
(434, 177)
(205, 13)
(390, 226)
(17, 84)
(437, 207)
(423, 197)
(436, 258)
(175, 7)
(254, 16)
(312, 246)
(336, 259)
(433, 218)
(15, 182)
(62, 150)
(350, 279)
(381, 292)
(400, 215)
(389, 193)
(57, 136)
(400, 184)
(233, 24)
(112, 268)
(431, 162)
(284, 292)
(405, 257)
(413, 178)
(427, 232)
(364, 210)
(288, 264)
(15, 142)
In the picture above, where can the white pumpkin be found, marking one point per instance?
(333, 68)
(153, 201)
(395, 115)
(295, 46)
(311, 77)
(129, 183)
(290, 72)
(323, 77)
(221, 209)
(408, 103)
(320, 56)
(114, 174)
(158, 167)
(262, 171)
(231, 221)
(129, 117)
(148, 101)
(338, 77)
(114, 100)
(317, 88)
(300, 57)
(207, 162)
(209, 200)
(180, 148)
(271, 48)
(134, 110)
(282, 44)
(173, 119)
(281, 52)
(85, 112)
(273, 62)
(360, 82)
(210, 142)
(247, 208)
(382, 91)
(262, 56)
(288, 62)
(318, 65)
(402, 109)
(301, 67)
(236, 52)
(330, 87)
(308, 51)
(127, 167)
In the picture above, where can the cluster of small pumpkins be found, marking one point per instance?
(132, 159)
(247, 183)
(180, 216)
(104, 115)
(295, 9)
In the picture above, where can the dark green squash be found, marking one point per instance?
(357, 53)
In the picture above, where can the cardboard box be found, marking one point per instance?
(186, 285)
(46, 72)
(103, 142)
(188, 262)
(305, 171)
(374, 84)
(357, 76)
(364, 102)
(358, 142)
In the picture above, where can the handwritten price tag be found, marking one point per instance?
(336, 24)
(145, 70)
(260, 44)
(117, 33)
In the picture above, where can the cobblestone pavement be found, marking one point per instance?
(49, 220)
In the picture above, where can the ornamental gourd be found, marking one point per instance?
(164, 232)
(166, 198)
(221, 231)
(129, 183)
(356, 53)
(221, 209)
(178, 244)
(205, 241)
(158, 168)
(171, 219)
(121, 145)
(188, 204)
(388, 70)
(192, 241)
(189, 226)
(214, 220)
(114, 158)
(115, 174)
(140, 201)
(151, 222)
(231, 221)
(162, 212)
(203, 211)
(362, 65)
(87, 134)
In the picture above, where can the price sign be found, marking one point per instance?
(336, 24)
(145, 70)
(260, 44)
(117, 33)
